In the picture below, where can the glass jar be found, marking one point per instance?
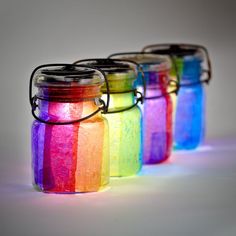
(70, 150)
(195, 69)
(124, 116)
(157, 108)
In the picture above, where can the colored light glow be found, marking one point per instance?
(70, 158)
(165, 170)
(189, 120)
(124, 126)
(157, 120)
(189, 128)
(157, 112)
(124, 136)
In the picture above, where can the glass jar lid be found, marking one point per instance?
(196, 55)
(67, 83)
(148, 61)
(177, 50)
(110, 66)
(67, 76)
(120, 74)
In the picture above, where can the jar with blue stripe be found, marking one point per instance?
(194, 68)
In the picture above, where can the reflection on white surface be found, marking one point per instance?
(202, 148)
(193, 193)
(164, 170)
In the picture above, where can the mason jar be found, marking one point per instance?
(157, 107)
(194, 67)
(124, 116)
(70, 150)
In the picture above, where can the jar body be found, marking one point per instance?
(124, 136)
(190, 117)
(157, 111)
(70, 158)
(189, 128)
(157, 128)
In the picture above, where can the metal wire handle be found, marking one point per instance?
(117, 60)
(206, 56)
(140, 99)
(165, 94)
(33, 99)
(149, 53)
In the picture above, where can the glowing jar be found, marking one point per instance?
(157, 107)
(69, 135)
(189, 128)
(124, 116)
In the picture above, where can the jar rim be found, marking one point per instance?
(175, 49)
(146, 60)
(110, 66)
(67, 77)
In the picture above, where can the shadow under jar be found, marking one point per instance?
(157, 107)
(194, 68)
(69, 135)
(124, 116)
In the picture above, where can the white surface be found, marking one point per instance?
(193, 194)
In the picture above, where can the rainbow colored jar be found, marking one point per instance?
(70, 150)
(124, 116)
(195, 69)
(157, 108)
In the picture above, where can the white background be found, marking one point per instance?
(38, 32)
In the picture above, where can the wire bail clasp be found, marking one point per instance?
(33, 98)
(182, 50)
(142, 72)
(109, 62)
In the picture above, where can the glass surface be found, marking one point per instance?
(125, 126)
(70, 158)
(189, 105)
(157, 112)
(124, 136)
(157, 119)
(189, 125)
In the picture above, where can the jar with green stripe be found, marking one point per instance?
(124, 116)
